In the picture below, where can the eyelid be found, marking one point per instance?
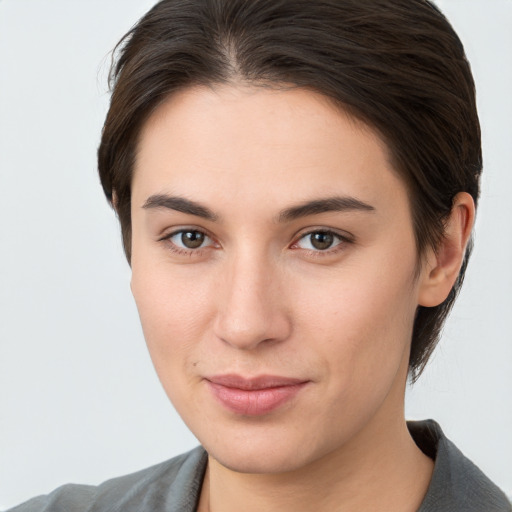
(343, 237)
(170, 231)
(186, 250)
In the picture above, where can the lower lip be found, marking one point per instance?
(255, 402)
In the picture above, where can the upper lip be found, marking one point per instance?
(253, 383)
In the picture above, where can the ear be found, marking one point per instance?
(115, 200)
(443, 265)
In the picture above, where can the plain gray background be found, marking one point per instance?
(79, 401)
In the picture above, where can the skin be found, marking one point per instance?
(258, 298)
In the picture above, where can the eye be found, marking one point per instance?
(189, 239)
(319, 241)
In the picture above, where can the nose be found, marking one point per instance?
(251, 307)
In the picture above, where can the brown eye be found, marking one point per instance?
(320, 241)
(190, 239)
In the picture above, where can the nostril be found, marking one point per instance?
(249, 331)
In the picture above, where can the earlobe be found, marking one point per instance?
(443, 265)
(115, 200)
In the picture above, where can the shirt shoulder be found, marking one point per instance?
(457, 484)
(170, 486)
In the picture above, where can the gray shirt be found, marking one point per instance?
(457, 485)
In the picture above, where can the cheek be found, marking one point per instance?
(358, 299)
(174, 312)
(362, 322)
(172, 316)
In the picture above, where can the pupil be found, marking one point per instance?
(192, 239)
(322, 241)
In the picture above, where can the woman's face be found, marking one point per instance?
(273, 264)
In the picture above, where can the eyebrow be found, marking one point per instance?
(179, 204)
(314, 207)
(330, 204)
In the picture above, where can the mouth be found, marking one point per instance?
(254, 396)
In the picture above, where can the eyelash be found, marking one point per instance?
(181, 251)
(343, 241)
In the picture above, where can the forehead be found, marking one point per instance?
(280, 145)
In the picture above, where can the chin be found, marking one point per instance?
(257, 463)
(263, 454)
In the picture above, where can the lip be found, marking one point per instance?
(254, 396)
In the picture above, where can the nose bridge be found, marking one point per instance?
(251, 308)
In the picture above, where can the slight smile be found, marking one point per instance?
(254, 396)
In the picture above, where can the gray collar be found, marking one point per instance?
(457, 485)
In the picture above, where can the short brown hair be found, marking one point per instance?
(397, 65)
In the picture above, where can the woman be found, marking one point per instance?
(296, 185)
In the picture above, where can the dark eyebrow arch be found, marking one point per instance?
(317, 206)
(179, 204)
